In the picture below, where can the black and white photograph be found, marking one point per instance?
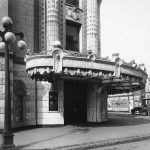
(74, 74)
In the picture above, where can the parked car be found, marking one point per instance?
(140, 110)
(136, 111)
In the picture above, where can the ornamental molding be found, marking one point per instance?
(81, 66)
(74, 13)
(63, 64)
(92, 57)
(57, 55)
(59, 60)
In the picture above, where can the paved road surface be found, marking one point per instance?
(119, 127)
(140, 145)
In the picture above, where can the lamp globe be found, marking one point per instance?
(2, 45)
(10, 37)
(7, 22)
(22, 45)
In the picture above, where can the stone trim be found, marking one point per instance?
(97, 65)
(74, 14)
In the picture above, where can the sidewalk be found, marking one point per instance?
(120, 128)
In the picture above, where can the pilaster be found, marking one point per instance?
(92, 26)
(53, 22)
(96, 103)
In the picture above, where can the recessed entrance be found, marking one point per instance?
(75, 103)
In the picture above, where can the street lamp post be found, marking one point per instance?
(7, 38)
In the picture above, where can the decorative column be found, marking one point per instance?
(96, 103)
(53, 22)
(92, 26)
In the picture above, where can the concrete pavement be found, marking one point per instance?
(120, 128)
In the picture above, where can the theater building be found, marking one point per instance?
(62, 78)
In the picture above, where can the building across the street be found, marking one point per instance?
(126, 101)
(61, 78)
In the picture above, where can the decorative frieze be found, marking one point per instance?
(73, 13)
(59, 60)
(128, 70)
(84, 67)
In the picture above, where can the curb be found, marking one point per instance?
(96, 144)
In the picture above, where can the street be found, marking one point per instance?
(120, 127)
(139, 145)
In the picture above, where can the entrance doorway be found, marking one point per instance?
(75, 102)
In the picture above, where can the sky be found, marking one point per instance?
(125, 29)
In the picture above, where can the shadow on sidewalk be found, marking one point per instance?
(116, 120)
(119, 119)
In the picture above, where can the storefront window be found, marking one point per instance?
(53, 101)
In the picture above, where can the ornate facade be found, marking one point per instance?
(63, 77)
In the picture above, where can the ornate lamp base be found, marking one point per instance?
(7, 143)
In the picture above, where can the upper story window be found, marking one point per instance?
(72, 37)
(73, 2)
